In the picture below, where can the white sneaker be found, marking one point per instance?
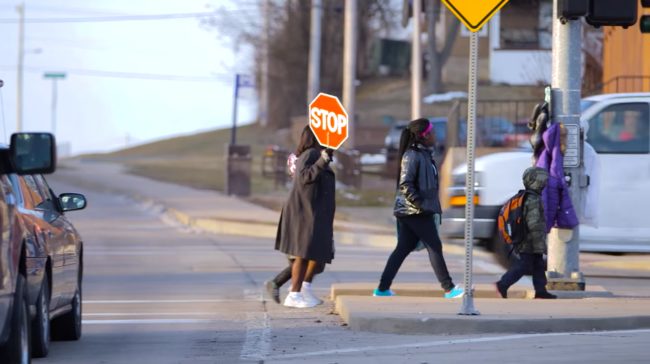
(296, 300)
(308, 295)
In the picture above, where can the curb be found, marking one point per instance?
(480, 291)
(406, 319)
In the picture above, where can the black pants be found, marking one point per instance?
(412, 229)
(285, 276)
(526, 264)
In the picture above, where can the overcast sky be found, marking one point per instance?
(99, 113)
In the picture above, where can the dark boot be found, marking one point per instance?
(503, 292)
(545, 295)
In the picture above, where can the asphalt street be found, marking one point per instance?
(158, 292)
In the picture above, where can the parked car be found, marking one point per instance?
(493, 131)
(391, 143)
(619, 131)
(54, 261)
(27, 153)
(520, 135)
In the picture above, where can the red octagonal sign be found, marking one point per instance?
(328, 120)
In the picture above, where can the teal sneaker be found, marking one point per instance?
(386, 293)
(455, 292)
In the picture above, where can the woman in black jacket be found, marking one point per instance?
(306, 228)
(416, 203)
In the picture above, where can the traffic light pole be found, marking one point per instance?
(563, 253)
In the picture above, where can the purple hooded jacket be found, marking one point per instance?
(558, 207)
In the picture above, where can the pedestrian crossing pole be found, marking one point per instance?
(468, 299)
(563, 270)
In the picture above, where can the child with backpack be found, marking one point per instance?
(524, 226)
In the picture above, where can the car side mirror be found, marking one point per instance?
(72, 201)
(33, 153)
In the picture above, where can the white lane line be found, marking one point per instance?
(148, 321)
(430, 344)
(102, 302)
(123, 314)
(257, 344)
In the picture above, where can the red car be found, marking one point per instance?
(520, 136)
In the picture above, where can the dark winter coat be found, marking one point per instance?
(306, 224)
(417, 192)
(535, 239)
(557, 202)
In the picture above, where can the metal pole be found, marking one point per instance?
(314, 49)
(349, 67)
(21, 60)
(468, 299)
(264, 87)
(54, 100)
(233, 132)
(563, 256)
(416, 62)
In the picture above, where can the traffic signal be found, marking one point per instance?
(622, 13)
(572, 9)
(644, 22)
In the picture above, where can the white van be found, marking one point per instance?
(619, 131)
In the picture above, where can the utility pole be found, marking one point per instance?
(314, 49)
(264, 86)
(416, 62)
(563, 256)
(349, 67)
(233, 129)
(21, 60)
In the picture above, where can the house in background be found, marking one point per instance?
(626, 59)
(514, 48)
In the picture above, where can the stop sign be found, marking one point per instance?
(328, 120)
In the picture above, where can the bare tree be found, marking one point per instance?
(438, 55)
(289, 49)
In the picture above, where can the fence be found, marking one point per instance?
(499, 123)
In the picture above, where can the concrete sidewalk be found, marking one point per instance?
(420, 309)
(206, 210)
(435, 316)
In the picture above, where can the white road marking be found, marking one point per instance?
(123, 314)
(148, 321)
(447, 342)
(103, 302)
(258, 331)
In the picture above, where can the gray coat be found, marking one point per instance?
(306, 227)
(534, 242)
(417, 192)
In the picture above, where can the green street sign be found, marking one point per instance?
(54, 75)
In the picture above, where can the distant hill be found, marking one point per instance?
(210, 143)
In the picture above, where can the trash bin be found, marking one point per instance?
(349, 167)
(390, 169)
(281, 169)
(238, 170)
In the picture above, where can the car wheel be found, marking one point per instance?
(68, 326)
(17, 349)
(501, 252)
(41, 323)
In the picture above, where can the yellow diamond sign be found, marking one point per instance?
(474, 13)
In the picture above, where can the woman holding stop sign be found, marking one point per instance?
(416, 205)
(306, 228)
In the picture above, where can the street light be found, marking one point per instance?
(54, 76)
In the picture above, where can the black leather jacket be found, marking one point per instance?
(417, 193)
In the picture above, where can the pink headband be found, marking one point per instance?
(426, 131)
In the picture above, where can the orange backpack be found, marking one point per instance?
(511, 222)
